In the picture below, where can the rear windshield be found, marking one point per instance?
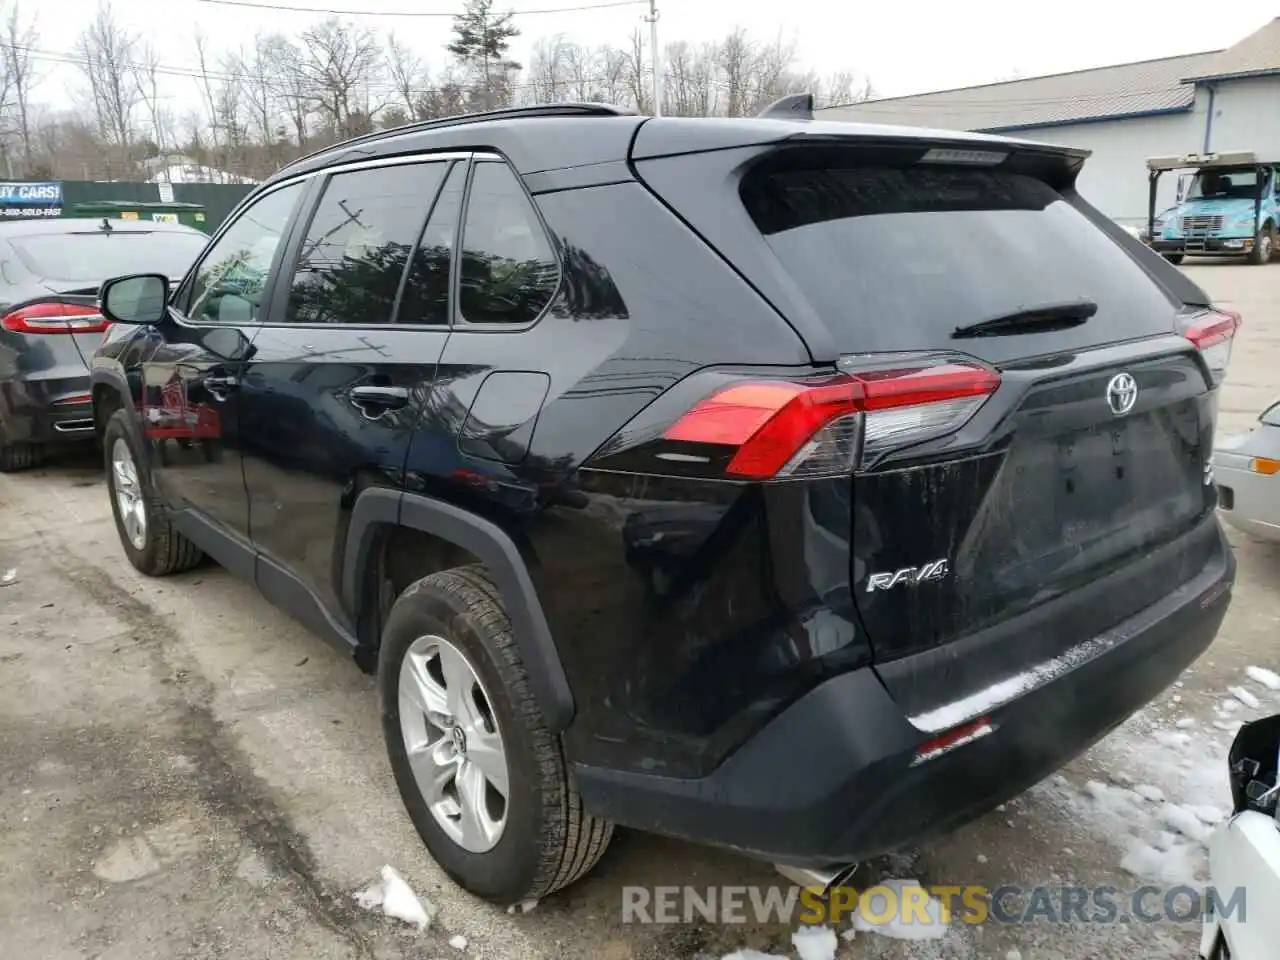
(895, 258)
(94, 257)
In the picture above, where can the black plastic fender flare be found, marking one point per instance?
(497, 551)
(118, 384)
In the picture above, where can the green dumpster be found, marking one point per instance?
(190, 214)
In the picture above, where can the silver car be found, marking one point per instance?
(1246, 468)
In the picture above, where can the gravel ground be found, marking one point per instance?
(186, 773)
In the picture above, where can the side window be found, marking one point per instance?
(357, 247)
(425, 298)
(227, 286)
(508, 270)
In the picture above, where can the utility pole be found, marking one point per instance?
(652, 19)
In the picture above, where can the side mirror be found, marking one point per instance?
(139, 299)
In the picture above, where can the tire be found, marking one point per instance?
(1264, 246)
(16, 456)
(546, 841)
(1174, 258)
(160, 550)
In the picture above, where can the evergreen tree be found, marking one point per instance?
(480, 40)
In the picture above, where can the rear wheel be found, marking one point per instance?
(16, 456)
(1174, 258)
(1263, 246)
(483, 779)
(149, 539)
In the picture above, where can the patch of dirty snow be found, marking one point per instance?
(1228, 706)
(1245, 697)
(901, 924)
(1209, 815)
(458, 943)
(1267, 678)
(748, 954)
(396, 899)
(1147, 862)
(524, 906)
(1184, 821)
(815, 943)
(1149, 791)
(1186, 723)
(1169, 738)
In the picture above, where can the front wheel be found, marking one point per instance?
(1263, 246)
(483, 779)
(150, 542)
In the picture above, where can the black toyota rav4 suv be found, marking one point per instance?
(798, 487)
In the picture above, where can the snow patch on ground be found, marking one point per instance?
(898, 927)
(748, 954)
(396, 899)
(1168, 790)
(1245, 697)
(458, 943)
(815, 943)
(1264, 676)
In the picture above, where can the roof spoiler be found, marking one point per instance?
(794, 106)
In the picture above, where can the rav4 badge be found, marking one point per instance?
(912, 576)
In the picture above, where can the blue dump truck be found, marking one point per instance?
(1227, 207)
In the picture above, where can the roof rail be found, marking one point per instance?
(794, 106)
(567, 109)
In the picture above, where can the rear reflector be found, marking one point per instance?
(1213, 333)
(953, 739)
(54, 317)
(811, 428)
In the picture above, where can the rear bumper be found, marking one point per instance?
(831, 780)
(46, 411)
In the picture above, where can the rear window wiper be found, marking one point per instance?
(1044, 318)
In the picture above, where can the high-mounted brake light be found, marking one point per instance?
(810, 428)
(1213, 333)
(53, 317)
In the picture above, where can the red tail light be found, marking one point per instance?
(809, 428)
(55, 317)
(1213, 333)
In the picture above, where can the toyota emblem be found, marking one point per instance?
(1122, 394)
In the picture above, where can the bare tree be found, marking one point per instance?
(105, 49)
(612, 64)
(292, 86)
(635, 70)
(339, 60)
(18, 41)
(207, 85)
(145, 72)
(548, 69)
(736, 60)
(688, 87)
(408, 75)
(581, 67)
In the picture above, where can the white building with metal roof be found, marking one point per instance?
(1201, 102)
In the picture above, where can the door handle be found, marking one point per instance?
(219, 386)
(374, 401)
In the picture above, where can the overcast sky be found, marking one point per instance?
(904, 46)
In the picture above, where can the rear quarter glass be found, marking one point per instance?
(894, 258)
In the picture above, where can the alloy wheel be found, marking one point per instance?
(128, 490)
(453, 743)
